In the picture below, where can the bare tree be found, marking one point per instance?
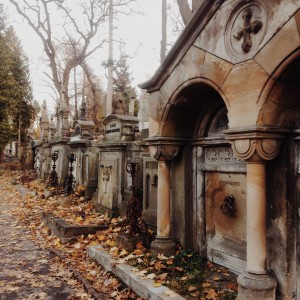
(79, 35)
(186, 11)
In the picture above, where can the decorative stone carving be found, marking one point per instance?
(256, 143)
(220, 155)
(264, 148)
(246, 28)
(165, 152)
(164, 148)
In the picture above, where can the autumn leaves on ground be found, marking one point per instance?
(73, 274)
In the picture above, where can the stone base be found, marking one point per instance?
(67, 232)
(89, 191)
(163, 246)
(104, 210)
(256, 287)
(130, 242)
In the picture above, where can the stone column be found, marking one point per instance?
(163, 200)
(256, 220)
(255, 147)
(163, 150)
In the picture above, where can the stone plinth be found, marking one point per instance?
(67, 232)
(130, 242)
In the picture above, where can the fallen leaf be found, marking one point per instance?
(170, 293)
(151, 276)
(206, 284)
(211, 294)
(77, 246)
(157, 284)
(192, 288)
(101, 237)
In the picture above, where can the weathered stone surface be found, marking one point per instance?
(130, 242)
(215, 69)
(256, 287)
(155, 113)
(67, 232)
(242, 88)
(144, 288)
(192, 64)
(277, 13)
(297, 18)
(279, 47)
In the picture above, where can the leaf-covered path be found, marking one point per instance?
(27, 271)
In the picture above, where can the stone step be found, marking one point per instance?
(142, 287)
(67, 232)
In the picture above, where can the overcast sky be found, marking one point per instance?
(141, 33)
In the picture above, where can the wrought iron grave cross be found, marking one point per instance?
(248, 28)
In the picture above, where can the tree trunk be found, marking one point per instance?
(163, 46)
(185, 11)
(196, 4)
(75, 96)
(108, 108)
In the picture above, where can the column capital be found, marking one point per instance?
(164, 148)
(256, 143)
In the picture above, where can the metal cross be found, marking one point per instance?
(249, 27)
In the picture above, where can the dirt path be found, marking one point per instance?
(26, 271)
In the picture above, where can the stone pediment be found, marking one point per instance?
(83, 129)
(118, 126)
(84, 124)
(232, 31)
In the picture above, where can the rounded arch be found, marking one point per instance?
(195, 100)
(279, 100)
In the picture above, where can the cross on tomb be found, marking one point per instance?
(106, 177)
(248, 28)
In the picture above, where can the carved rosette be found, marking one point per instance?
(255, 145)
(164, 149)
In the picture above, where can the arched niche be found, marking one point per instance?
(280, 102)
(213, 174)
(281, 96)
(192, 103)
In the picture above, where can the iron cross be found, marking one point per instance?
(249, 27)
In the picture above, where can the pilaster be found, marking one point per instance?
(255, 146)
(163, 149)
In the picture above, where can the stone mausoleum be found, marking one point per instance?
(228, 96)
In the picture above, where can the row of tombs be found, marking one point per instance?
(99, 164)
(207, 210)
(101, 167)
(220, 170)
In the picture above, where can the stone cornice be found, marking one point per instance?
(164, 148)
(256, 143)
(186, 39)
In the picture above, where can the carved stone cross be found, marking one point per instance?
(248, 28)
(106, 176)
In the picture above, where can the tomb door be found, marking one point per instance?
(221, 198)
